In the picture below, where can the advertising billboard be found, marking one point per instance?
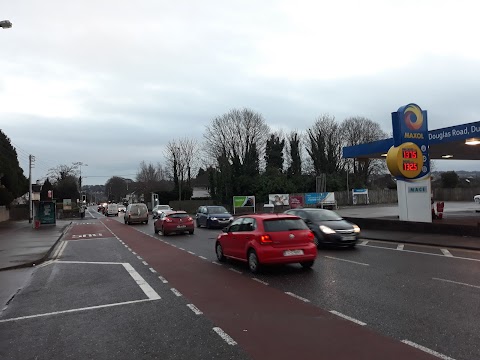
(278, 199)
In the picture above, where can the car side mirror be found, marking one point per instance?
(225, 229)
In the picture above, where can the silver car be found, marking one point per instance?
(159, 209)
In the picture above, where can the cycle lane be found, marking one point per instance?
(264, 321)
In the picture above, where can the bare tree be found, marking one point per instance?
(61, 172)
(360, 130)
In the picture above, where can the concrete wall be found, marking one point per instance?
(4, 214)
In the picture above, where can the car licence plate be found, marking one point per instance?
(292, 252)
(181, 226)
(350, 237)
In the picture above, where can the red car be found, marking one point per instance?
(173, 222)
(267, 239)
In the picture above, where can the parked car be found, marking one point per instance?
(476, 198)
(111, 210)
(136, 213)
(157, 210)
(174, 222)
(262, 239)
(122, 208)
(213, 216)
(329, 227)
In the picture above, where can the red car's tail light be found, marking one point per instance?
(189, 219)
(265, 239)
(311, 236)
(168, 220)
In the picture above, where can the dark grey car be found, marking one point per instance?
(213, 216)
(329, 227)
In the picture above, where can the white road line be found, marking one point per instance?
(427, 350)
(147, 289)
(260, 281)
(202, 257)
(423, 253)
(216, 263)
(163, 279)
(400, 246)
(144, 263)
(348, 318)
(152, 270)
(75, 310)
(88, 262)
(46, 263)
(134, 253)
(365, 242)
(139, 257)
(350, 261)
(296, 296)
(458, 283)
(170, 244)
(182, 249)
(224, 336)
(195, 309)
(176, 292)
(129, 248)
(446, 252)
(235, 270)
(191, 252)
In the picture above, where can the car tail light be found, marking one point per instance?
(311, 236)
(168, 220)
(265, 239)
(189, 219)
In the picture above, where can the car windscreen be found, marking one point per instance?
(180, 215)
(323, 215)
(217, 210)
(284, 225)
(163, 207)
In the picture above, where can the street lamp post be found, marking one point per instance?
(5, 24)
(80, 164)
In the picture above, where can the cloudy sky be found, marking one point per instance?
(109, 82)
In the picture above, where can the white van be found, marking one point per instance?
(112, 210)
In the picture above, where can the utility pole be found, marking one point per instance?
(31, 164)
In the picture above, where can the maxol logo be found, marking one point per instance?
(412, 115)
(413, 136)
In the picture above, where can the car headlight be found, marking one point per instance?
(356, 229)
(213, 218)
(326, 229)
(231, 218)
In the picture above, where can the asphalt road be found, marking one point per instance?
(424, 296)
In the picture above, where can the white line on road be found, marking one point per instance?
(296, 296)
(216, 263)
(171, 244)
(76, 310)
(348, 318)
(139, 257)
(144, 263)
(224, 336)
(163, 279)
(176, 292)
(191, 252)
(182, 249)
(446, 252)
(134, 253)
(147, 289)
(46, 263)
(195, 309)
(350, 261)
(427, 350)
(260, 281)
(400, 246)
(365, 242)
(88, 262)
(235, 270)
(129, 248)
(152, 270)
(202, 257)
(458, 283)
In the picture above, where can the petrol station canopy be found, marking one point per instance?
(460, 142)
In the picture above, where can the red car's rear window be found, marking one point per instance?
(178, 216)
(275, 225)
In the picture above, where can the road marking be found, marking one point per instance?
(458, 283)
(260, 281)
(423, 253)
(134, 253)
(60, 249)
(46, 263)
(129, 248)
(296, 296)
(191, 252)
(348, 318)
(224, 336)
(446, 252)
(144, 263)
(163, 279)
(88, 262)
(350, 261)
(400, 246)
(147, 289)
(152, 270)
(182, 249)
(365, 242)
(216, 263)
(139, 257)
(427, 350)
(235, 270)
(75, 310)
(202, 257)
(176, 292)
(195, 309)
(170, 244)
